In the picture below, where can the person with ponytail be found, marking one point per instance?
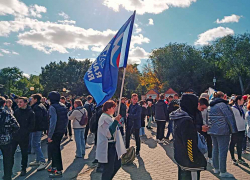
(237, 138)
(221, 124)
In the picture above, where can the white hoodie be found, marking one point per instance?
(240, 121)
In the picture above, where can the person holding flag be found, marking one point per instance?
(101, 81)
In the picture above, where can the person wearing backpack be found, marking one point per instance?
(41, 124)
(8, 125)
(76, 116)
(187, 154)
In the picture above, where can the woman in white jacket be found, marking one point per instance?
(110, 145)
(237, 138)
(76, 116)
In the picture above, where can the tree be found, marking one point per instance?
(8, 77)
(132, 82)
(149, 79)
(234, 58)
(181, 67)
(69, 75)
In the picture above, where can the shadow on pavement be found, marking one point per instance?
(150, 142)
(140, 171)
(75, 168)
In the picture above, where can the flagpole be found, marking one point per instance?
(120, 99)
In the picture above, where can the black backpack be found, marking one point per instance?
(93, 123)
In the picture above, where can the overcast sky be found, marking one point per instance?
(34, 32)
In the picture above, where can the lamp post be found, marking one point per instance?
(214, 81)
(32, 88)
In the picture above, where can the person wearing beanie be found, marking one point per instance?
(58, 124)
(186, 152)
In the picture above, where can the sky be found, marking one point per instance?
(34, 33)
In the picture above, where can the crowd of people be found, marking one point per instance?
(223, 122)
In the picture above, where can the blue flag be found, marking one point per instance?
(102, 76)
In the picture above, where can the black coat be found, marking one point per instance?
(150, 111)
(134, 117)
(123, 110)
(41, 116)
(186, 152)
(88, 107)
(26, 120)
(173, 106)
(198, 121)
(144, 113)
(161, 112)
(8, 125)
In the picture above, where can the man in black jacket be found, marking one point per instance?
(134, 123)
(58, 124)
(202, 105)
(186, 152)
(8, 125)
(123, 113)
(68, 105)
(41, 117)
(161, 116)
(26, 118)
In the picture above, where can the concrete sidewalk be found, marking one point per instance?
(156, 162)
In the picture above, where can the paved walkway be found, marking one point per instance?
(156, 162)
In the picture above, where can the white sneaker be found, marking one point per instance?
(42, 166)
(87, 146)
(226, 175)
(34, 163)
(1, 157)
(216, 171)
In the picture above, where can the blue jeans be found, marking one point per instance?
(150, 121)
(170, 129)
(220, 149)
(142, 131)
(80, 141)
(36, 145)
